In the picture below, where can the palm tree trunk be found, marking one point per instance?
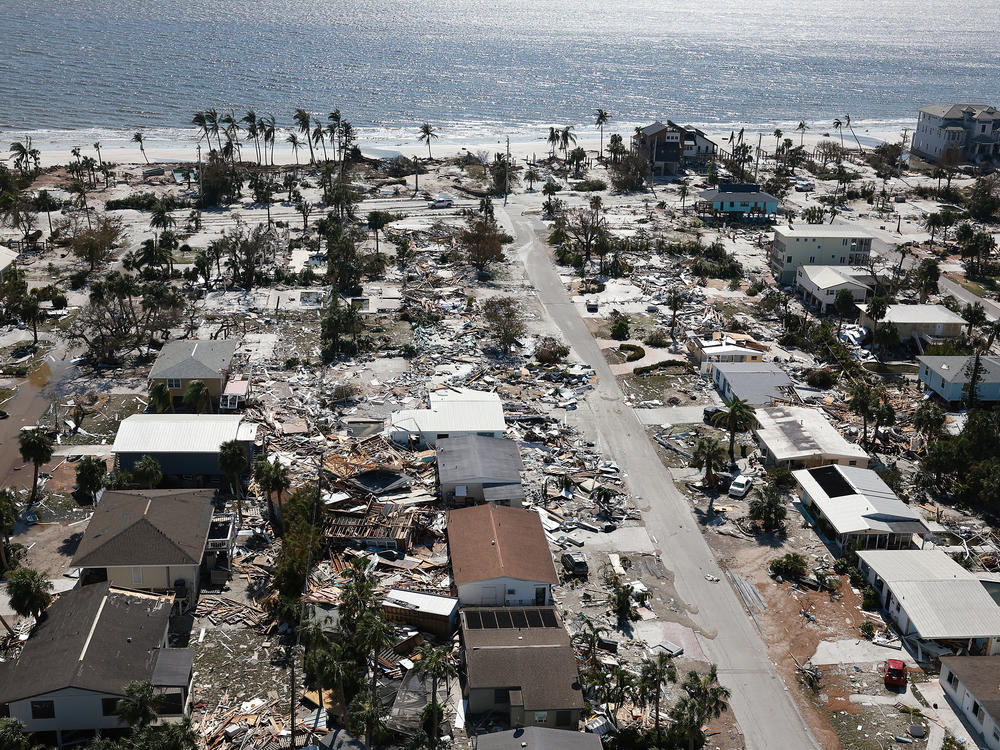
(434, 713)
(34, 484)
(732, 445)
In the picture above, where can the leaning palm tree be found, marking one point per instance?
(567, 138)
(137, 138)
(140, 705)
(319, 136)
(654, 674)
(588, 640)
(434, 664)
(233, 462)
(739, 417)
(601, 118)
(296, 144)
(303, 119)
(427, 134)
(35, 447)
(847, 123)
(838, 125)
(79, 191)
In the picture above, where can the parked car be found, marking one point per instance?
(895, 673)
(591, 305)
(575, 564)
(442, 201)
(740, 486)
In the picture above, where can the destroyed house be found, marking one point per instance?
(927, 323)
(152, 540)
(451, 412)
(181, 362)
(428, 611)
(477, 469)
(937, 605)
(183, 444)
(371, 525)
(708, 352)
(858, 510)
(93, 642)
(499, 556)
(798, 437)
(520, 664)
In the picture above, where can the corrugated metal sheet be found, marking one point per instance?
(179, 433)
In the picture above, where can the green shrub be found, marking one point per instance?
(792, 565)
(657, 338)
(591, 186)
(870, 599)
(632, 352)
(821, 378)
(619, 328)
(867, 629)
(549, 351)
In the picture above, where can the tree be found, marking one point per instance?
(90, 473)
(434, 663)
(709, 455)
(767, 507)
(325, 666)
(96, 243)
(32, 314)
(929, 419)
(845, 305)
(377, 221)
(137, 138)
(504, 320)
(147, 472)
(738, 418)
(79, 191)
(9, 513)
(13, 736)
(233, 462)
(160, 399)
(704, 699)
(577, 157)
(36, 447)
(601, 118)
(29, 592)
(926, 278)
(975, 315)
(140, 705)
(588, 638)
(532, 175)
(675, 302)
(427, 134)
(802, 128)
(293, 140)
(303, 119)
(197, 398)
(654, 674)
(862, 401)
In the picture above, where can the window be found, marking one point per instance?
(852, 463)
(812, 258)
(563, 718)
(977, 710)
(789, 259)
(171, 704)
(442, 435)
(953, 680)
(136, 576)
(501, 696)
(511, 592)
(43, 710)
(109, 706)
(996, 733)
(173, 383)
(541, 717)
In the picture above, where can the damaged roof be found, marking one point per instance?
(190, 360)
(460, 459)
(488, 542)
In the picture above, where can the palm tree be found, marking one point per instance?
(90, 473)
(326, 666)
(601, 118)
(196, 397)
(740, 416)
(13, 733)
(709, 455)
(79, 191)
(767, 507)
(532, 176)
(589, 638)
(675, 301)
(31, 313)
(434, 664)
(160, 399)
(147, 472)
(802, 128)
(333, 131)
(233, 462)
(319, 136)
(29, 592)
(9, 513)
(303, 120)
(566, 139)
(200, 121)
(253, 130)
(553, 141)
(280, 482)
(137, 138)
(35, 446)
(374, 634)
(296, 144)
(683, 192)
(45, 202)
(839, 126)
(777, 142)
(861, 400)
(140, 705)
(654, 674)
(847, 122)
(263, 474)
(212, 127)
(268, 131)
(427, 133)
(704, 700)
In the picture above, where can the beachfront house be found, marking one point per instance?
(816, 245)
(662, 145)
(181, 362)
(708, 352)
(475, 469)
(937, 605)
(800, 437)
(737, 201)
(92, 642)
(151, 540)
(968, 132)
(948, 377)
(818, 286)
(925, 323)
(856, 509)
(500, 557)
(185, 445)
(698, 147)
(520, 665)
(450, 412)
(971, 686)
(757, 383)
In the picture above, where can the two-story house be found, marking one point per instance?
(816, 245)
(971, 132)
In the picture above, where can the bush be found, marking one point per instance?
(821, 378)
(870, 599)
(619, 329)
(867, 629)
(549, 351)
(657, 338)
(292, 362)
(136, 201)
(781, 477)
(632, 352)
(591, 186)
(792, 565)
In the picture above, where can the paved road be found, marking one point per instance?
(765, 711)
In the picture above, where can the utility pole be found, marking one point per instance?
(506, 173)
(755, 166)
(201, 186)
(416, 175)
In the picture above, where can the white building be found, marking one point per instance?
(500, 557)
(816, 244)
(819, 285)
(858, 510)
(970, 131)
(709, 352)
(970, 684)
(451, 412)
(930, 597)
(7, 259)
(798, 437)
(930, 323)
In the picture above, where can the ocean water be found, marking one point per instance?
(482, 68)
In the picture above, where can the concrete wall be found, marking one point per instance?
(962, 698)
(497, 592)
(906, 330)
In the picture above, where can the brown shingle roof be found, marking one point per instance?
(147, 527)
(93, 638)
(981, 677)
(489, 542)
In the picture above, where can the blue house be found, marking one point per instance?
(738, 201)
(948, 377)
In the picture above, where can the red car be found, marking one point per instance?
(895, 673)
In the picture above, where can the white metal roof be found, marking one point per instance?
(827, 277)
(795, 433)
(454, 410)
(180, 433)
(435, 604)
(911, 314)
(7, 256)
(940, 597)
(821, 231)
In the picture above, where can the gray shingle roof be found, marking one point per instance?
(193, 359)
(953, 369)
(755, 382)
(461, 459)
(92, 638)
(979, 674)
(147, 527)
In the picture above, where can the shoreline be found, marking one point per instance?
(179, 145)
